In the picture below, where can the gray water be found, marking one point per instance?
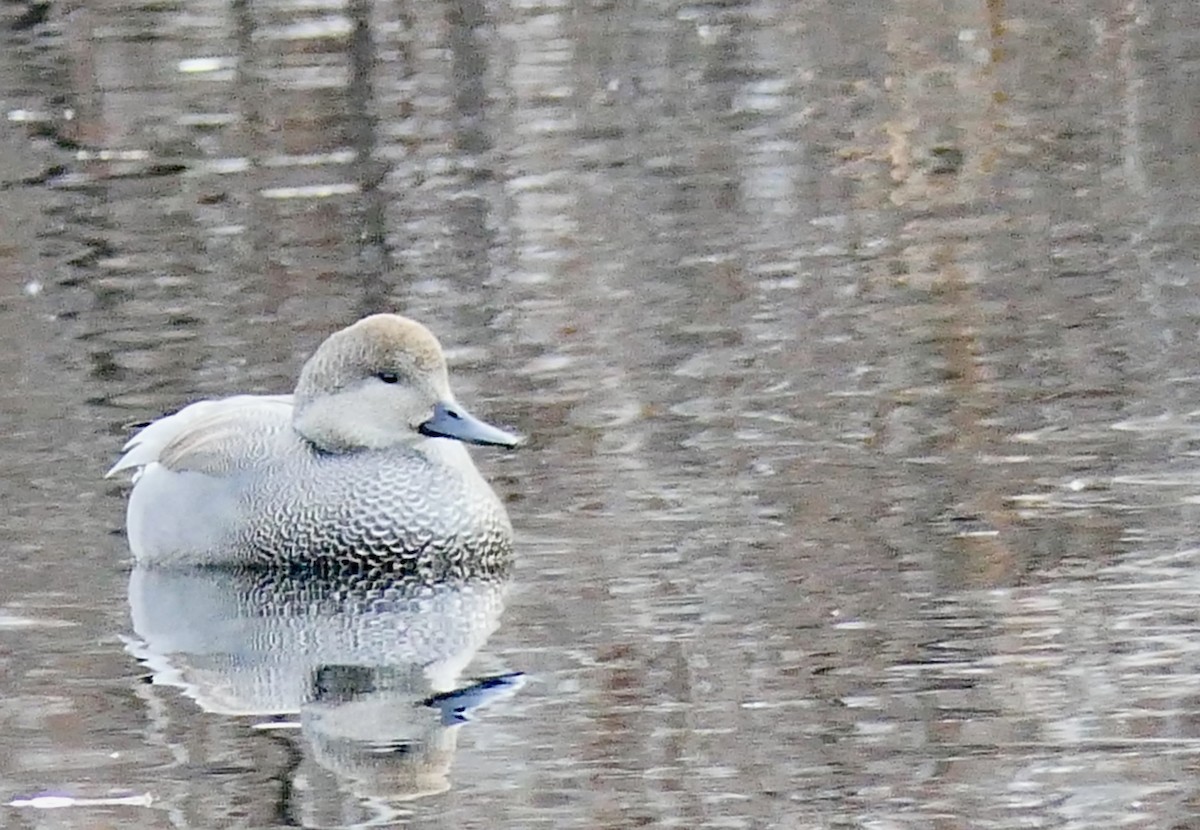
(858, 348)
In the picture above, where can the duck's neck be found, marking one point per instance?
(323, 423)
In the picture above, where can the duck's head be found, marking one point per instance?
(379, 383)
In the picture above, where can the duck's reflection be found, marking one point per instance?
(370, 663)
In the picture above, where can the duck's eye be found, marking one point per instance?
(388, 377)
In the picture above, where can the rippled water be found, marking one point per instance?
(857, 344)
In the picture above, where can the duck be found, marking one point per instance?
(363, 466)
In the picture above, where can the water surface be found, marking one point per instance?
(856, 345)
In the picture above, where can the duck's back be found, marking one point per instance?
(234, 484)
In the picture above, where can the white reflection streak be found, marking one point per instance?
(51, 801)
(541, 192)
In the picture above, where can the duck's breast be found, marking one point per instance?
(372, 505)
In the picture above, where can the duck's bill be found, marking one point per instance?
(452, 421)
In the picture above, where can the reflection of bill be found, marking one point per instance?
(457, 706)
(370, 664)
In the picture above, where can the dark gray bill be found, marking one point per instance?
(452, 421)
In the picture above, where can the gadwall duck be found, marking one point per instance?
(357, 467)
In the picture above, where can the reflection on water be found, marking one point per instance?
(856, 348)
(369, 664)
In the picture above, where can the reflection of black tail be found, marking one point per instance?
(456, 706)
(342, 684)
